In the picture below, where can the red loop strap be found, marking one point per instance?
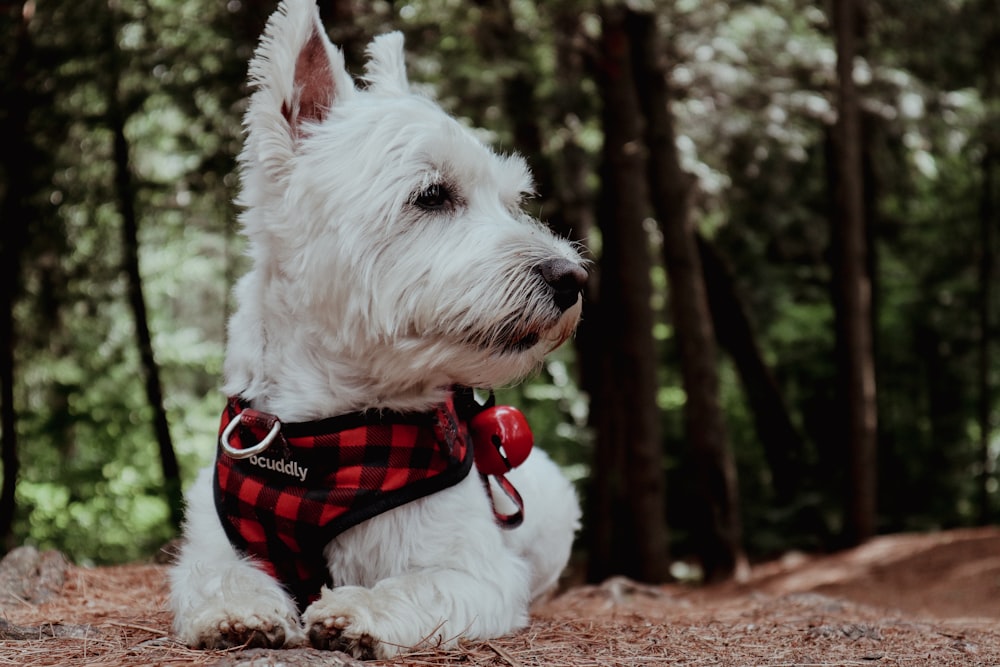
(506, 520)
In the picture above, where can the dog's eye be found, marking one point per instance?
(434, 197)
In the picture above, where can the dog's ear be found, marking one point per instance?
(298, 74)
(386, 67)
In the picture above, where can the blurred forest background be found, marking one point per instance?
(789, 339)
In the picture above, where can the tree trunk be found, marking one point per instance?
(125, 193)
(988, 223)
(629, 533)
(14, 137)
(720, 539)
(782, 443)
(572, 214)
(9, 257)
(853, 288)
(345, 31)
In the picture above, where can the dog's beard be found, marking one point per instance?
(520, 335)
(523, 343)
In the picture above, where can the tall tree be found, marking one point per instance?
(117, 114)
(572, 212)
(15, 137)
(628, 493)
(782, 443)
(989, 220)
(340, 19)
(718, 521)
(852, 285)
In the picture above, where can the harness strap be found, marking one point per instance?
(284, 504)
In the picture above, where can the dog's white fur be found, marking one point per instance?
(360, 298)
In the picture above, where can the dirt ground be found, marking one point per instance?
(929, 599)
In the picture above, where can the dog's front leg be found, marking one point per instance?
(433, 608)
(428, 573)
(219, 599)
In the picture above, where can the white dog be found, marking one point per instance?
(392, 264)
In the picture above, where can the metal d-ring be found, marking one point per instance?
(249, 451)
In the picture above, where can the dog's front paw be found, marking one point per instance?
(334, 634)
(342, 620)
(251, 632)
(231, 630)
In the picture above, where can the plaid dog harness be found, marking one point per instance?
(283, 491)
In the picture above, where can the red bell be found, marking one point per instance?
(501, 439)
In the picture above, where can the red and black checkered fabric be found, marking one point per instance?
(317, 479)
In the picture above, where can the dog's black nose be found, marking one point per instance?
(566, 278)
